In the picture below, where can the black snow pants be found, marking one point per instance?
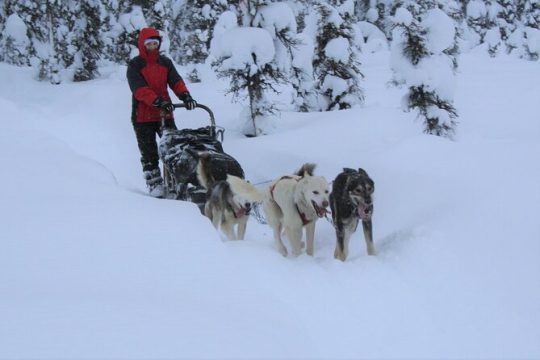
(146, 139)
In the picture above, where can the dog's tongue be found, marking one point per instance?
(321, 211)
(362, 212)
(240, 212)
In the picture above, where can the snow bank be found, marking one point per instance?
(91, 267)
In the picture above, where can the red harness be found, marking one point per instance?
(305, 221)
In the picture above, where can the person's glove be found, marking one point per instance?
(163, 104)
(188, 101)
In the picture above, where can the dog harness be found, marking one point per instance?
(303, 217)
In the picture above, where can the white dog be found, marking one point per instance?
(293, 202)
(228, 202)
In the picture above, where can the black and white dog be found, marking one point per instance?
(228, 201)
(350, 201)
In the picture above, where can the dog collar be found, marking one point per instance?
(303, 217)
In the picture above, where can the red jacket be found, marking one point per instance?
(148, 75)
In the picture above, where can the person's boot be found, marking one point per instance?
(154, 183)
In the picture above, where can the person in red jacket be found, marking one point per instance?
(148, 75)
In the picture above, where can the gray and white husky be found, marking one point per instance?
(294, 202)
(228, 202)
(351, 201)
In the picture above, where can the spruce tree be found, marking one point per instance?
(335, 63)
(480, 18)
(43, 21)
(123, 31)
(191, 43)
(14, 43)
(259, 73)
(156, 13)
(2, 26)
(89, 43)
(507, 18)
(531, 14)
(414, 52)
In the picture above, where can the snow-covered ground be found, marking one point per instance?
(92, 268)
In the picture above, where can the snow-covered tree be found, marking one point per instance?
(305, 98)
(531, 13)
(15, 42)
(531, 20)
(191, 44)
(88, 41)
(245, 55)
(335, 63)
(419, 61)
(2, 26)
(377, 12)
(156, 13)
(525, 39)
(531, 43)
(480, 17)
(292, 55)
(507, 18)
(125, 31)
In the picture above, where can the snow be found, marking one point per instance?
(372, 15)
(336, 84)
(533, 39)
(338, 49)
(279, 20)
(436, 73)
(493, 37)
(226, 21)
(303, 53)
(92, 267)
(346, 8)
(403, 17)
(134, 20)
(16, 29)
(244, 47)
(440, 31)
(275, 17)
(476, 9)
(373, 39)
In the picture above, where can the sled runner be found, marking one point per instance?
(179, 151)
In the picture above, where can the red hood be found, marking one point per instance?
(144, 34)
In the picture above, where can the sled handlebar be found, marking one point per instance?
(201, 106)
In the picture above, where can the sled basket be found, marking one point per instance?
(179, 151)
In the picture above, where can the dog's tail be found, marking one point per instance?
(245, 189)
(204, 170)
(306, 169)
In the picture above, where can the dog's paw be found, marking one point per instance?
(296, 253)
(283, 251)
(339, 255)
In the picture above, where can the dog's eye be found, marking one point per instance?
(326, 191)
(315, 192)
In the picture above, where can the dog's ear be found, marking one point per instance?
(204, 170)
(348, 170)
(363, 172)
(306, 169)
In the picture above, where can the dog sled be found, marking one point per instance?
(179, 151)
